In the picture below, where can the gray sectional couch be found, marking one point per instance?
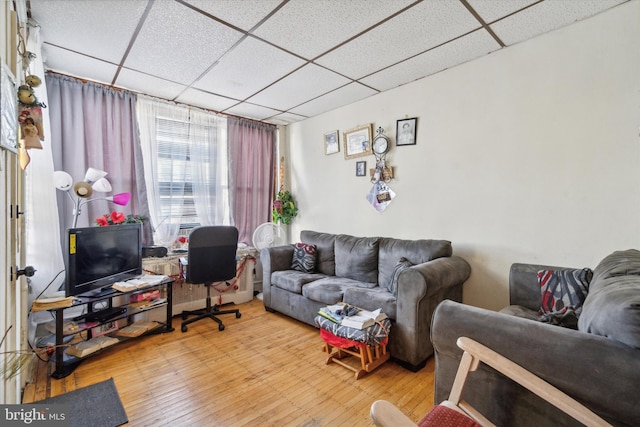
(598, 364)
(358, 271)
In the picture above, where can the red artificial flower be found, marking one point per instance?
(117, 217)
(182, 239)
(103, 221)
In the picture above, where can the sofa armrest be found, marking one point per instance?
(597, 371)
(523, 284)
(276, 258)
(420, 289)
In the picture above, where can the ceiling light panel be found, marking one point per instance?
(101, 29)
(149, 85)
(416, 30)
(205, 100)
(178, 43)
(342, 96)
(547, 16)
(68, 62)
(243, 15)
(456, 52)
(249, 67)
(306, 83)
(310, 28)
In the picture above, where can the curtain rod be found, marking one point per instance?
(119, 89)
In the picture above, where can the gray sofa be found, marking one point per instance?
(598, 364)
(357, 270)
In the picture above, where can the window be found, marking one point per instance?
(189, 159)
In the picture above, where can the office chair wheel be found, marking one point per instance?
(184, 328)
(221, 327)
(238, 315)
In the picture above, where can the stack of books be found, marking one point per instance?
(87, 347)
(138, 328)
(360, 319)
(143, 282)
(42, 304)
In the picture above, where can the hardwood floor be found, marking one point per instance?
(264, 369)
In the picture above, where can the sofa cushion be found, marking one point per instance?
(293, 280)
(416, 251)
(619, 263)
(613, 310)
(401, 266)
(304, 257)
(325, 244)
(372, 299)
(357, 258)
(330, 290)
(521, 311)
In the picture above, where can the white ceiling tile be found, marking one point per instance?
(285, 119)
(101, 29)
(345, 95)
(249, 67)
(418, 29)
(306, 83)
(547, 16)
(205, 100)
(178, 43)
(464, 49)
(254, 111)
(149, 85)
(68, 62)
(491, 10)
(243, 14)
(310, 28)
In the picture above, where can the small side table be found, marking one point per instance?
(369, 344)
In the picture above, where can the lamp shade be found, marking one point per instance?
(82, 189)
(121, 198)
(62, 180)
(92, 175)
(102, 185)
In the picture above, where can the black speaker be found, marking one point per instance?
(154, 251)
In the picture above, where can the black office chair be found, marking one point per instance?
(212, 258)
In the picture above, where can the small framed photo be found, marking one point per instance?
(406, 131)
(357, 142)
(331, 142)
(361, 168)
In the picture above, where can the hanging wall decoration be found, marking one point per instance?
(8, 110)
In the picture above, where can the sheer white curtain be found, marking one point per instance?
(185, 159)
(210, 167)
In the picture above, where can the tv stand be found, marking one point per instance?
(122, 310)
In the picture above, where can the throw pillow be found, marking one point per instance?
(401, 266)
(304, 257)
(562, 294)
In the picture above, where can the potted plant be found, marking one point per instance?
(284, 208)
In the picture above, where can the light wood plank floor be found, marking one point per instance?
(264, 369)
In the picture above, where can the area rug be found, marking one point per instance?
(97, 405)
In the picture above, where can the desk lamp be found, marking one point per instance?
(94, 180)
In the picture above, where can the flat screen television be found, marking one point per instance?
(97, 257)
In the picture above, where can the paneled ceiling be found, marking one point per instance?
(281, 61)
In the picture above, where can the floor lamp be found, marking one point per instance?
(94, 180)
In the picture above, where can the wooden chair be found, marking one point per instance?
(460, 413)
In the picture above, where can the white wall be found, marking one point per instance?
(530, 154)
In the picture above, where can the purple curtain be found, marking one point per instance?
(93, 125)
(252, 151)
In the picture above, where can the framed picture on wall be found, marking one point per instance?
(357, 142)
(361, 168)
(331, 142)
(406, 131)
